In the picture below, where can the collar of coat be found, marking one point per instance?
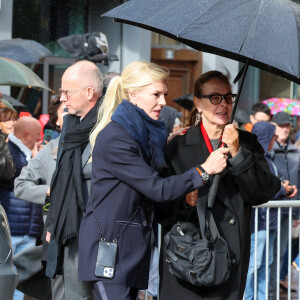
(189, 150)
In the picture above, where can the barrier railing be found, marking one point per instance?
(279, 205)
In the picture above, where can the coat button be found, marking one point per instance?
(232, 221)
(145, 223)
(233, 261)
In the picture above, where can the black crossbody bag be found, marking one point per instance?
(193, 257)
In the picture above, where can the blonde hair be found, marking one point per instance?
(135, 77)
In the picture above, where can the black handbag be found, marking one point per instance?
(195, 258)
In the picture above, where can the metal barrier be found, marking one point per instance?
(279, 205)
(271, 204)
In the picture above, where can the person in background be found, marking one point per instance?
(33, 184)
(177, 125)
(168, 115)
(287, 160)
(107, 78)
(8, 118)
(81, 89)
(246, 181)
(266, 136)
(7, 166)
(260, 112)
(127, 163)
(25, 218)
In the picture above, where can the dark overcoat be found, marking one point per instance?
(122, 179)
(241, 186)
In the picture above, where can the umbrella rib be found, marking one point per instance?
(249, 29)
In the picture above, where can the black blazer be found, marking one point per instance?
(121, 179)
(241, 186)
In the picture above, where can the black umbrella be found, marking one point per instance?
(14, 102)
(186, 101)
(263, 33)
(23, 51)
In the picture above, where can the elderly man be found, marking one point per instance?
(25, 218)
(81, 87)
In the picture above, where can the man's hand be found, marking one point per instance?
(48, 236)
(291, 190)
(37, 147)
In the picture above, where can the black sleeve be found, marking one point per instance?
(7, 167)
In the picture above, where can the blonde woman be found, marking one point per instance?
(127, 162)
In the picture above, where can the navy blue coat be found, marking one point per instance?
(265, 132)
(24, 217)
(121, 179)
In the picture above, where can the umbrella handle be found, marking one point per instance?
(212, 192)
(216, 179)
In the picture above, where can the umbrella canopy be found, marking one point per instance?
(266, 32)
(290, 106)
(263, 33)
(11, 100)
(14, 73)
(5, 102)
(23, 51)
(186, 101)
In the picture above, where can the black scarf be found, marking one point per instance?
(66, 200)
(150, 133)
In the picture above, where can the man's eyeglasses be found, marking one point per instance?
(66, 93)
(216, 99)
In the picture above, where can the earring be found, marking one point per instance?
(198, 119)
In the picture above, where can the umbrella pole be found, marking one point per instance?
(246, 66)
(216, 179)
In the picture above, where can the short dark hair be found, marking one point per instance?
(108, 76)
(261, 107)
(205, 77)
(6, 114)
(53, 107)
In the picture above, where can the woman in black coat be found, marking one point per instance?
(246, 181)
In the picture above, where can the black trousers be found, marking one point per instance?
(103, 290)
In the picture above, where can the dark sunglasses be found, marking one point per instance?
(217, 99)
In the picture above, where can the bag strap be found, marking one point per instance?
(123, 229)
(204, 213)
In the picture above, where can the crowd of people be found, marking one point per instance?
(93, 196)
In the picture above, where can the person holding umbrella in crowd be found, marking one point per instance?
(246, 181)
